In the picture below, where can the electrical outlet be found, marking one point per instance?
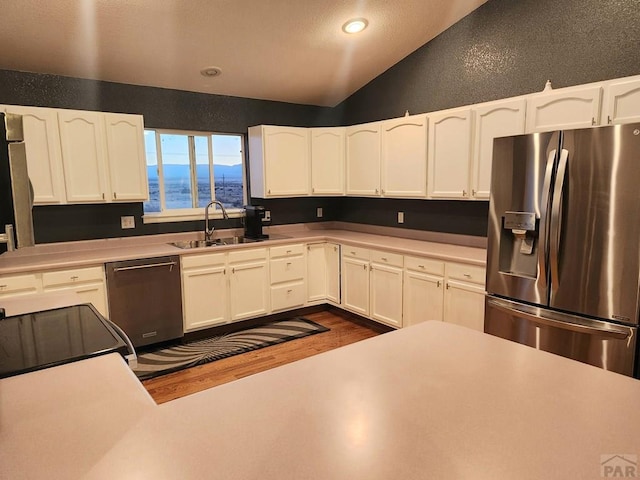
(267, 215)
(400, 217)
(319, 212)
(128, 222)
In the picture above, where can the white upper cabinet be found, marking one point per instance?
(496, 119)
(83, 155)
(363, 159)
(450, 153)
(127, 162)
(44, 159)
(327, 161)
(575, 107)
(622, 102)
(404, 157)
(279, 161)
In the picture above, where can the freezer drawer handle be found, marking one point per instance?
(620, 333)
(150, 265)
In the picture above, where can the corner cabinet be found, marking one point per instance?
(323, 273)
(44, 157)
(450, 153)
(83, 156)
(363, 159)
(404, 157)
(327, 160)
(126, 157)
(492, 120)
(568, 108)
(279, 160)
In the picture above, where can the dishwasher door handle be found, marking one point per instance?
(149, 265)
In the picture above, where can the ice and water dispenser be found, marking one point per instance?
(519, 244)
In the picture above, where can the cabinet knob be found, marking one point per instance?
(383, 191)
(593, 120)
(103, 196)
(353, 253)
(2, 287)
(313, 190)
(376, 190)
(421, 266)
(289, 291)
(438, 283)
(365, 267)
(464, 193)
(233, 270)
(384, 259)
(115, 195)
(609, 119)
(269, 191)
(467, 275)
(74, 278)
(473, 193)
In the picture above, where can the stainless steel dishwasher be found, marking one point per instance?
(145, 298)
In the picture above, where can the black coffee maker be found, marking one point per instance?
(254, 221)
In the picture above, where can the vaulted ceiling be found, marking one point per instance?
(285, 50)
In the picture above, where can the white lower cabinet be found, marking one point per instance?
(19, 285)
(323, 273)
(88, 283)
(372, 284)
(423, 290)
(204, 291)
(248, 284)
(464, 295)
(287, 272)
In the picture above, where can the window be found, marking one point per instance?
(182, 167)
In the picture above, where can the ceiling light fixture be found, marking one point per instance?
(355, 25)
(211, 72)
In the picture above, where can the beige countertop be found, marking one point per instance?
(78, 254)
(430, 401)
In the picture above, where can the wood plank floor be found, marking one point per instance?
(343, 331)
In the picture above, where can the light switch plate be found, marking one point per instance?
(128, 222)
(319, 212)
(400, 217)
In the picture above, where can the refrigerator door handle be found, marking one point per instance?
(575, 324)
(556, 220)
(544, 221)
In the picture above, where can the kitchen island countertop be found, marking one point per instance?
(430, 401)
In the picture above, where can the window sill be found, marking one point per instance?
(189, 215)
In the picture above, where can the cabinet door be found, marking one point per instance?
(44, 159)
(355, 285)
(327, 161)
(205, 295)
(423, 298)
(316, 273)
(496, 119)
(127, 162)
(286, 157)
(363, 159)
(332, 255)
(82, 141)
(449, 153)
(464, 304)
(386, 294)
(249, 290)
(623, 102)
(404, 157)
(565, 109)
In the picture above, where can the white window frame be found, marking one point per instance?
(188, 214)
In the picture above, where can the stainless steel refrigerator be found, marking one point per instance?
(563, 261)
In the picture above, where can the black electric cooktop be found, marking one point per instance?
(33, 341)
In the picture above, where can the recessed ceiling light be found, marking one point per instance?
(355, 25)
(210, 72)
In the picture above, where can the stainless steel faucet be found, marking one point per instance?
(208, 232)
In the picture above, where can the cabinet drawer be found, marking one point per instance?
(248, 255)
(19, 283)
(355, 252)
(425, 265)
(66, 277)
(288, 296)
(208, 260)
(387, 258)
(286, 250)
(466, 273)
(287, 269)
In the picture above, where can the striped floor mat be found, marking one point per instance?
(166, 360)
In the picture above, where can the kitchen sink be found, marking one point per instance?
(212, 243)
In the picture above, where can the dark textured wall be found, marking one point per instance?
(506, 48)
